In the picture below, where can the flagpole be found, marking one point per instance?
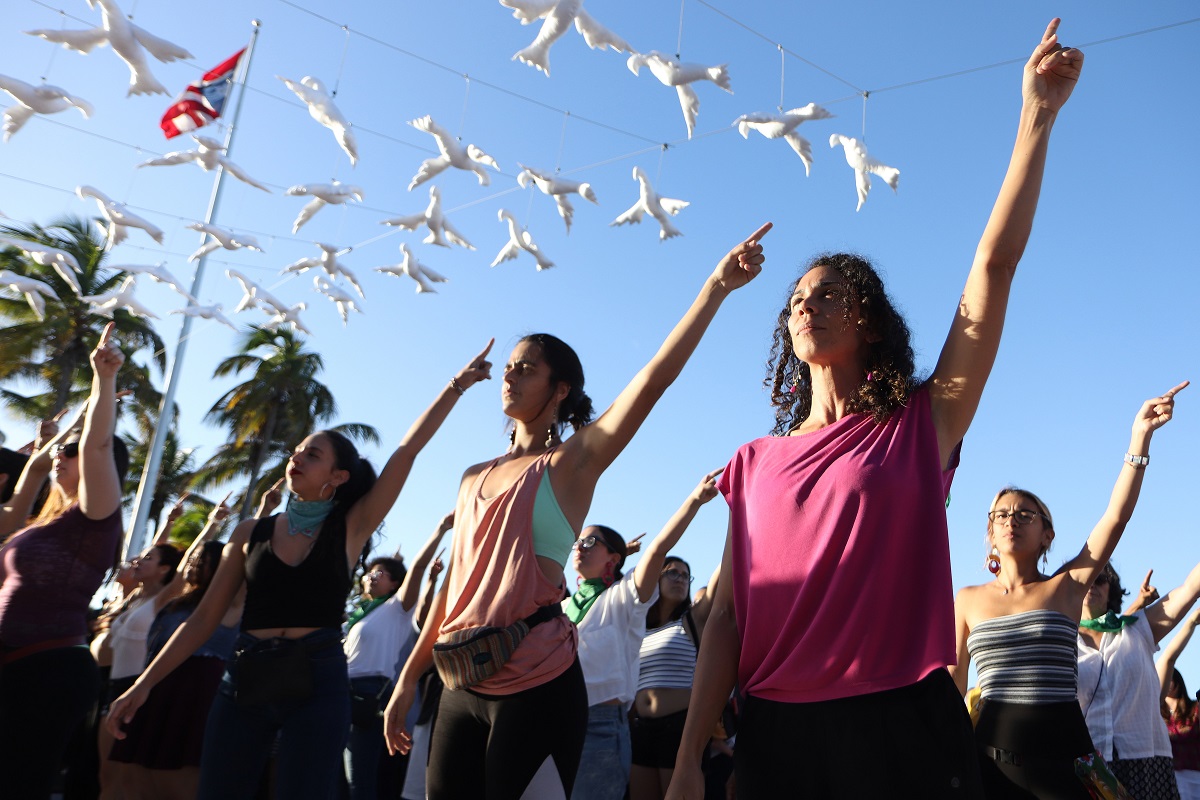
(145, 492)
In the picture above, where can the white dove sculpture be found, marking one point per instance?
(127, 40)
(104, 304)
(44, 99)
(558, 188)
(681, 76)
(783, 126)
(864, 165)
(322, 194)
(212, 312)
(345, 302)
(60, 261)
(322, 108)
(452, 154)
(558, 16)
(36, 293)
(411, 268)
(288, 316)
(519, 240)
(328, 261)
(119, 218)
(649, 202)
(221, 238)
(208, 155)
(254, 295)
(157, 273)
(434, 220)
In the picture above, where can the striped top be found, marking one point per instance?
(1026, 658)
(668, 658)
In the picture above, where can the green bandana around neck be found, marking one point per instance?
(364, 607)
(583, 598)
(1109, 623)
(306, 516)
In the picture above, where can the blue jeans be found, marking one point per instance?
(604, 768)
(312, 733)
(366, 748)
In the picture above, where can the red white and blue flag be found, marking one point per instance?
(200, 103)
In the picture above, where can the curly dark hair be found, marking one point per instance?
(565, 367)
(1116, 592)
(888, 377)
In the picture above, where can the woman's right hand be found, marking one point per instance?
(270, 500)
(707, 488)
(398, 739)
(743, 263)
(477, 369)
(121, 711)
(107, 358)
(1157, 411)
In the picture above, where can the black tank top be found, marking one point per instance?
(311, 594)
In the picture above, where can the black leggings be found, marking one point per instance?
(490, 747)
(1028, 750)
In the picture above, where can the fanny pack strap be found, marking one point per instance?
(544, 614)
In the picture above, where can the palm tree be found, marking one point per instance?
(51, 354)
(281, 403)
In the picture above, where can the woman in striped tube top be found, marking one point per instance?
(1020, 628)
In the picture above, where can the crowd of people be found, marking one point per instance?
(255, 668)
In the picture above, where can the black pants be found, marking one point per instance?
(43, 699)
(909, 742)
(1028, 750)
(491, 746)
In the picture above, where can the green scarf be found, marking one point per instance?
(305, 516)
(362, 608)
(1109, 623)
(583, 598)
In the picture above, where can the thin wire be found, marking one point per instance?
(562, 143)
(462, 121)
(342, 65)
(865, 95)
(782, 70)
(679, 41)
(54, 50)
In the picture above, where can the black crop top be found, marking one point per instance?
(311, 594)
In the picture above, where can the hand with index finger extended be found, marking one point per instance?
(477, 369)
(1051, 71)
(107, 358)
(743, 263)
(1157, 411)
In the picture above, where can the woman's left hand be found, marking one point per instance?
(743, 263)
(1157, 411)
(107, 358)
(1052, 71)
(477, 369)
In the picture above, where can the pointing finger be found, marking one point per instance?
(1146, 583)
(107, 334)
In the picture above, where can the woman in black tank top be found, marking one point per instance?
(288, 678)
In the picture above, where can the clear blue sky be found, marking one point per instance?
(1102, 314)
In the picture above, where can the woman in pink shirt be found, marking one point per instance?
(817, 616)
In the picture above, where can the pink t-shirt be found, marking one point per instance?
(841, 560)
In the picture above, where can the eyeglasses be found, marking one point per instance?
(677, 576)
(588, 542)
(68, 450)
(1020, 516)
(378, 573)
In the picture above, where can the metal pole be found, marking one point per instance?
(141, 508)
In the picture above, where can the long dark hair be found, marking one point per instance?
(1116, 592)
(1186, 703)
(362, 478)
(565, 367)
(169, 556)
(888, 379)
(207, 562)
(654, 615)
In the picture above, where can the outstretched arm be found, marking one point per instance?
(1170, 654)
(15, 513)
(1083, 568)
(970, 349)
(1146, 595)
(648, 570)
(410, 589)
(595, 446)
(364, 517)
(1175, 604)
(99, 485)
(163, 535)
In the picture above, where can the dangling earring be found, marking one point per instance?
(512, 438)
(993, 561)
(795, 381)
(1045, 559)
(608, 577)
(551, 433)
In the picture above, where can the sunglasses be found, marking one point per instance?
(69, 450)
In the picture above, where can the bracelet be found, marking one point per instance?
(1137, 462)
(456, 387)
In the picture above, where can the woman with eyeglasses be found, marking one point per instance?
(1120, 690)
(48, 574)
(516, 519)
(1020, 629)
(848, 496)
(609, 609)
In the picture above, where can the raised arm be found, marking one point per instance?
(1146, 594)
(716, 674)
(365, 515)
(99, 484)
(649, 568)
(1164, 615)
(270, 500)
(596, 446)
(410, 589)
(1083, 568)
(163, 534)
(430, 590)
(1170, 654)
(15, 512)
(970, 349)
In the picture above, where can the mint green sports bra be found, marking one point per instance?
(552, 534)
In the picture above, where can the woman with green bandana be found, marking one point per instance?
(610, 611)
(1119, 688)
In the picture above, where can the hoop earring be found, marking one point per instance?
(993, 561)
(322, 495)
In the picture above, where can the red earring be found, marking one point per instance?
(993, 562)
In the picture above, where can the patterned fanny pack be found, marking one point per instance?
(472, 655)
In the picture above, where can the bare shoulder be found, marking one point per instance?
(241, 533)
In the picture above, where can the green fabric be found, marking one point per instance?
(583, 598)
(362, 608)
(306, 516)
(552, 534)
(1109, 623)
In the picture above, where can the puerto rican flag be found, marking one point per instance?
(200, 103)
